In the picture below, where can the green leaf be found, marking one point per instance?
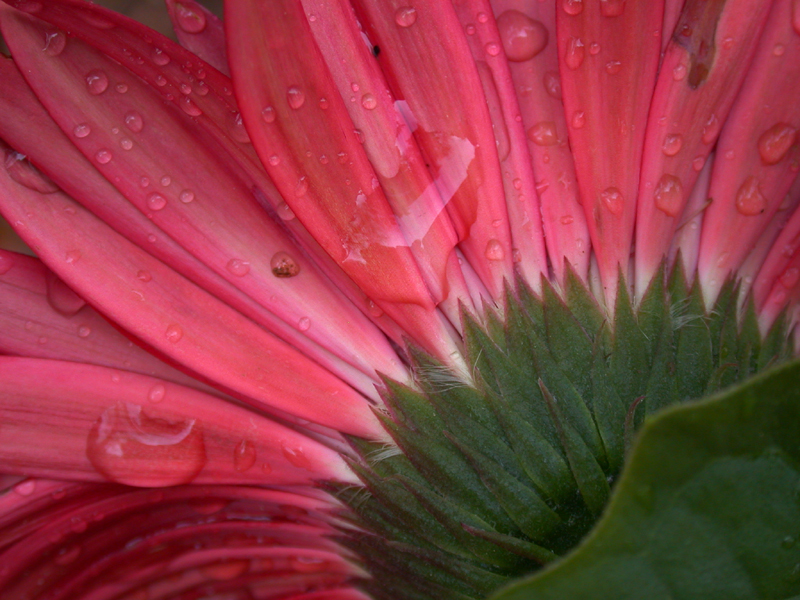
(707, 507)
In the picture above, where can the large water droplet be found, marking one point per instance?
(244, 455)
(711, 129)
(174, 333)
(672, 144)
(522, 37)
(296, 457)
(775, 142)
(368, 101)
(156, 201)
(575, 53)
(238, 267)
(82, 130)
(612, 8)
(25, 487)
(572, 7)
(612, 199)
(284, 265)
(55, 42)
(405, 16)
(494, 250)
(552, 83)
(669, 195)
(136, 446)
(295, 97)
(189, 107)
(134, 121)
(543, 134)
(749, 199)
(304, 323)
(96, 82)
(157, 393)
(191, 21)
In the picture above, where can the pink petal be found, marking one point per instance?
(608, 71)
(758, 153)
(200, 31)
(704, 65)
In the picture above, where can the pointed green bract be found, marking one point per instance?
(495, 478)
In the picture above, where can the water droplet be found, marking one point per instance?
(268, 114)
(82, 130)
(295, 97)
(492, 48)
(156, 201)
(612, 199)
(191, 21)
(672, 144)
(552, 84)
(6, 262)
(186, 196)
(543, 134)
(238, 267)
(711, 129)
(566, 219)
(788, 542)
(575, 53)
(572, 7)
(470, 29)
(237, 129)
(174, 333)
(133, 445)
(790, 277)
(679, 72)
(96, 82)
(104, 156)
(612, 8)
(55, 42)
(284, 265)
(775, 142)
(161, 81)
(405, 16)
(296, 457)
(749, 199)
(482, 17)
(84, 331)
(307, 564)
(594, 48)
(285, 212)
(613, 67)
(494, 250)
(143, 276)
(244, 456)
(368, 101)
(304, 324)
(359, 135)
(698, 162)
(26, 487)
(669, 195)
(134, 121)
(159, 57)
(72, 256)
(374, 310)
(189, 107)
(578, 119)
(779, 50)
(522, 37)
(126, 143)
(302, 186)
(157, 393)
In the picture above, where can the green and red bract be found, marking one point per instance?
(367, 300)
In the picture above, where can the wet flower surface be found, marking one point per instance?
(370, 299)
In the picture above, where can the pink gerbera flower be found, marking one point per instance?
(368, 299)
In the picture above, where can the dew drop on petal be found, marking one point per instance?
(522, 37)
(82, 130)
(55, 42)
(72, 256)
(84, 331)
(244, 455)
(575, 53)
(296, 457)
(612, 8)
(283, 265)
(238, 267)
(668, 195)
(285, 212)
(543, 134)
(374, 310)
(295, 97)
(136, 446)
(156, 393)
(749, 199)
(578, 119)
(492, 48)
(159, 57)
(672, 144)
(26, 487)
(156, 201)
(134, 121)
(613, 67)
(566, 219)
(174, 333)
(303, 324)
(405, 16)
(96, 82)
(268, 114)
(613, 201)
(368, 101)
(189, 107)
(698, 162)
(482, 17)
(679, 72)
(552, 84)
(274, 160)
(191, 21)
(186, 196)
(237, 129)
(302, 186)
(143, 276)
(126, 143)
(572, 7)
(594, 48)
(494, 250)
(775, 142)
(104, 156)
(711, 129)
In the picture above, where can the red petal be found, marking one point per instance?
(200, 31)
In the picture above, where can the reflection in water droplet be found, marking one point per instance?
(238, 267)
(572, 7)
(157, 393)
(72, 256)
(268, 114)
(55, 42)
(775, 142)
(133, 445)
(522, 37)
(295, 97)
(134, 121)
(612, 199)
(174, 333)
(296, 457)
(552, 83)
(304, 324)
(672, 144)
(749, 199)
(156, 201)
(84, 331)
(284, 265)
(244, 455)
(189, 107)
(669, 195)
(96, 82)
(191, 21)
(494, 250)
(186, 196)
(405, 16)
(575, 53)
(543, 134)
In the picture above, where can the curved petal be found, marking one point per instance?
(200, 31)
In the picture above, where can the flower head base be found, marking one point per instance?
(399, 291)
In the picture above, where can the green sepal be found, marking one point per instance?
(584, 307)
(653, 310)
(749, 341)
(694, 356)
(609, 412)
(517, 546)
